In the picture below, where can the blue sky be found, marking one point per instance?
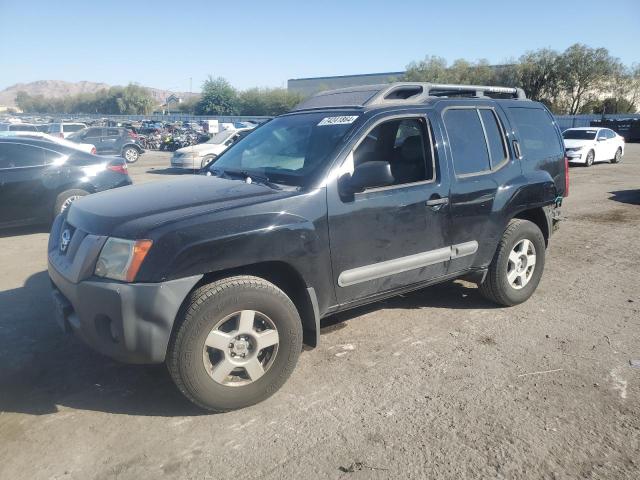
(263, 43)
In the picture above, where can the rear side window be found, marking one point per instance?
(538, 134)
(22, 128)
(72, 128)
(112, 132)
(495, 138)
(15, 155)
(466, 139)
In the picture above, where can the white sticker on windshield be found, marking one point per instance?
(337, 120)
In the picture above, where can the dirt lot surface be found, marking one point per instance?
(436, 384)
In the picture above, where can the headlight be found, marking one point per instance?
(121, 259)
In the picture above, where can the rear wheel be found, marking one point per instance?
(590, 156)
(66, 198)
(130, 154)
(618, 156)
(517, 265)
(236, 342)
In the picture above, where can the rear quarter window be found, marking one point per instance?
(538, 135)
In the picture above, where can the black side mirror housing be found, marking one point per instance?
(370, 175)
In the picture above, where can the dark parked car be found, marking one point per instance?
(40, 179)
(356, 195)
(111, 141)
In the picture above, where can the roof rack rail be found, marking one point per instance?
(417, 92)
(400, 92)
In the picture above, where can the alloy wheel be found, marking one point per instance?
(241, 348)
(521, 264)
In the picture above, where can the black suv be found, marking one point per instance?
(111, 141)
(356, 195)
(39, 179)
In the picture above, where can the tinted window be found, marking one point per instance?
(14, 155)
(112, 132)
(402, 143)
(579, 134)
(93, 132)
(72, 128)
(538, 137)
(492, 128)
(54, 128)
(466, 139)
(22, 128)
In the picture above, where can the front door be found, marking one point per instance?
(386, 238)
(94, 137)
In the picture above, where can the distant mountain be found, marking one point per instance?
(60, 88)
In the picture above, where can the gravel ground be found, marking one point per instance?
(435, 384)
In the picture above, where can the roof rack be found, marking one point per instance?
(402, 92)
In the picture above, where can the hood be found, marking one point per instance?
(578, 143)
(201, 149)
(132, 211)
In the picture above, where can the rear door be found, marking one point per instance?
(94, 137)
(111, 143)
(477, 145)
(23, 195)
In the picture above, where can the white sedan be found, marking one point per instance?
(85, 147)
(588, 144)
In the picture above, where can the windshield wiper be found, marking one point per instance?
(248, 177)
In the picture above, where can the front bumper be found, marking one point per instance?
(191, 163)
(577, 157)
(131, 322)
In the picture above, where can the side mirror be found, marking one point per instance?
(371, 175)
(602, 139)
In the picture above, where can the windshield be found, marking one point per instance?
(289, 150)
(220, 136)
(579, 134)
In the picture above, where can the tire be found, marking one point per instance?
(215, 313)
(206, 159)
(618, 156)
(130, 154)
(64, 200)
(589, 160)
(498, 285)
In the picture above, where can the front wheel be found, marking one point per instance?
(517, 265)
(206, 159)
(236, 342)
(590, 157)
(131, 154)
(618, 156)
(66, 198)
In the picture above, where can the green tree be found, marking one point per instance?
(218, 98)
(267, 101)
(538, 74)
(583, 71)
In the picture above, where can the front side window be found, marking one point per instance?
(467, 141)
(18, 155)
(405, 144)
(72, 128)
(289, 150)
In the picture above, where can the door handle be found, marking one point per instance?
(437, 203)
(516, 149)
